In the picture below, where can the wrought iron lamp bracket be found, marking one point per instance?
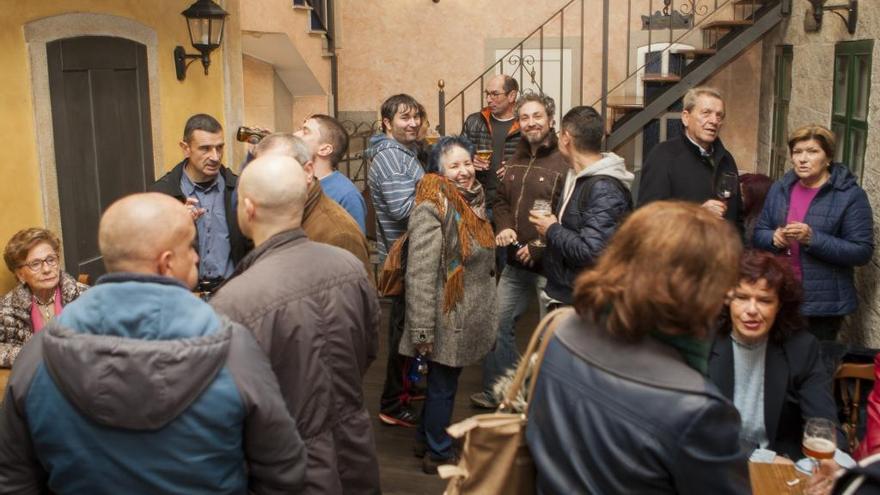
(850, 20)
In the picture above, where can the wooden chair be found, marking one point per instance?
(848, 389)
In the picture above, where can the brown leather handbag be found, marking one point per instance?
(391, 278)
(495, 458)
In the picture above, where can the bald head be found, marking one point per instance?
(272, 194)
(139, 231)
(283, 144)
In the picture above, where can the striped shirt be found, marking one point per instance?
(392, 179)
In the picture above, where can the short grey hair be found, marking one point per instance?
(690, 98)
(545, 101)
(282, 143)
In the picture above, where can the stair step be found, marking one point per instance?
(750, 2)
(696, 52)
(661, 78)
(626, 106)
(734, 23)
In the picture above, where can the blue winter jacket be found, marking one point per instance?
(843, 237)
(138, 387)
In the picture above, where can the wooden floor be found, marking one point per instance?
(401, 472)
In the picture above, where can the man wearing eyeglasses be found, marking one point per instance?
(494, 128)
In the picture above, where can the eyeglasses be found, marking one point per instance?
(36, 265)
(494, 94)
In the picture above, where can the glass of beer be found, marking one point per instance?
(820, 440)
(540, 208)
(484, 155)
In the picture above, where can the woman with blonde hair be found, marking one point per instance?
(624, 383)
(820, 220)
(34, 256)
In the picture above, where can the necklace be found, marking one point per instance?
(47, 309)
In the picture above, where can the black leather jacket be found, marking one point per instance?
(610, 417)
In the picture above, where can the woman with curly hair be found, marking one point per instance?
(34, 256)
(764, 361)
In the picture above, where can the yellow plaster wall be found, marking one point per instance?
(19, 172)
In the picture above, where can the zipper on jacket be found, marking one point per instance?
(522, 190)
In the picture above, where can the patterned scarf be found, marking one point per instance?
(469, 214)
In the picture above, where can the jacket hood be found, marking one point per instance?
(135, 353)
(611, 165)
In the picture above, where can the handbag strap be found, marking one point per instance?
(542, 335)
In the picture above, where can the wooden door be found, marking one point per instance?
(103, 144)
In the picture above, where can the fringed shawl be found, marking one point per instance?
(471, 229)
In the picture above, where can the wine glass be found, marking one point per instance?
(540, 208)
(820, 440)
(726, 185)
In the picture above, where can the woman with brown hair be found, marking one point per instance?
(622, 403)
(34, 256)
(819, 218)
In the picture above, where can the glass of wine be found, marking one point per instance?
(820, 440)
(726, 185)
(540, 208)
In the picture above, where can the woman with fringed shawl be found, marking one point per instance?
(450, 287)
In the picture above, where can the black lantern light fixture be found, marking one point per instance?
(204, 20)
(813, 22)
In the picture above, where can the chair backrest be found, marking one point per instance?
(848, 389)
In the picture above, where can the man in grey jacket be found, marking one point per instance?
(139, 387)
(314, 312)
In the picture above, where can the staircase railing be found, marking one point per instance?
(521, 64)
(668, 22)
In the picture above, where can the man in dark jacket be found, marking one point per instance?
(536, 172)
(689, 166)
(594, 202)
(207, 187)
(494, 128)
(139, 387)
(314, 312)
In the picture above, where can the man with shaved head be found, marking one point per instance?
(314, 312)
(323, 220)
(143, 383)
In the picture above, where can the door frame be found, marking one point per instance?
(42, 31)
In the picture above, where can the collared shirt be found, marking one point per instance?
(214, 249)
(705, 153)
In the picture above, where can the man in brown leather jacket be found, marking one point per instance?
(536, 172)
(315, 313)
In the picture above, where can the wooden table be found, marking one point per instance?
(770, 478)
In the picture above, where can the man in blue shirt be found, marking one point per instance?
(328, 141)
(207, 188)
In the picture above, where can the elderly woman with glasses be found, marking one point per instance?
(33, 255)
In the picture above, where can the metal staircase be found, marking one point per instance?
(694, 39)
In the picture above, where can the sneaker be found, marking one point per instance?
(402, 417)
(429, 464)
(420, 448)
(483, 401)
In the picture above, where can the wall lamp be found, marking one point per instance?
(204, 20)
(818, 8)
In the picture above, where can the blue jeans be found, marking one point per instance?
(437, 410)
(515, 288)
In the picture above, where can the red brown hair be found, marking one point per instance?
(667, 268)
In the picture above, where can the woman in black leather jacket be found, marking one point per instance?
(622, 404)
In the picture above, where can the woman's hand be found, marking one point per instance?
(779, 239)
(822, 481)
(425, 349)
(800, 232)
(542, 222)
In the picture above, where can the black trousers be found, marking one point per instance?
(394, 391)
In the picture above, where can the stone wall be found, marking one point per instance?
(811, 99)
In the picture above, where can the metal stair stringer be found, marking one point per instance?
(725, 54)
